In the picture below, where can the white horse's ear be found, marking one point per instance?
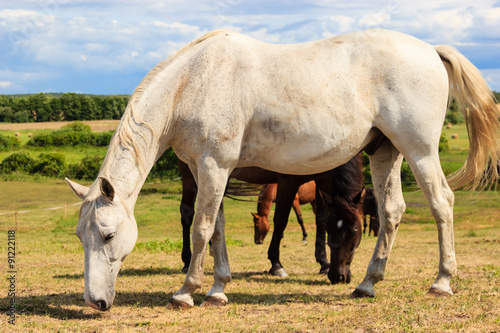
(107, 190)
(80, 190)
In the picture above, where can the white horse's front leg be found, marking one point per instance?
(222, 273)
(385, 167)
(211, 185)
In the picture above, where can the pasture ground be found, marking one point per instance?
(49, 264)
(49, 278)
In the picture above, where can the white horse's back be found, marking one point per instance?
(313, 99)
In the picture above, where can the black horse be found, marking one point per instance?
(370, 208)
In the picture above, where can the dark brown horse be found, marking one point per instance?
(306, 194)
(370, 208)
(288, 186)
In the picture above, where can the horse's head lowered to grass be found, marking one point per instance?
(108, 232)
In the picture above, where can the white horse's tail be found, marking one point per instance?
(482, 115)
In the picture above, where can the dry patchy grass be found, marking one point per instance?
(50, 274)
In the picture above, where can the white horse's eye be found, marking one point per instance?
(109, 237)
(340, 223)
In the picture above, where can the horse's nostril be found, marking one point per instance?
(102, 305)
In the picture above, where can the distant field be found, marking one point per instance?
(72, 154)
(95, 125)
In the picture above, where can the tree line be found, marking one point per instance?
(58, 107)
(72, 106)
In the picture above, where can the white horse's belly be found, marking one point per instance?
(302, 154)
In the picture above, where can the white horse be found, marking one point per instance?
(226, 101)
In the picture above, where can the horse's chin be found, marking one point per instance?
(343, 275)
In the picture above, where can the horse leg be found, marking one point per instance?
(429, 175)
(321, 218)
(222, 273)
(189, 192)
(287, 188)
(298, 213)
(385, 167)
(211, 184)
(365, 225)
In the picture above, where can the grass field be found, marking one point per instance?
(49, 264)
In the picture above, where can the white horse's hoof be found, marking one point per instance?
(358, 293)
(212, 301)
(434, 292)
(178, 305)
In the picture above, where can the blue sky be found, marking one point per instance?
(106, 47)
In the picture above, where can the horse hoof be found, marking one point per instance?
(279, 272)
(357, 293)
(304, 241)
(211, 302)
(185, 269)
(324, 269)
(178, 305)
(433, 293)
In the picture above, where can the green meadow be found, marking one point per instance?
(49, 267)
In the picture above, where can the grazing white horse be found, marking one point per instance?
(226, 101)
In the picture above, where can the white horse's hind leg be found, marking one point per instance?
(385, 167)
(222, 273)
(211, 184)
(433, 183)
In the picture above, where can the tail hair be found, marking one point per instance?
(482, 115)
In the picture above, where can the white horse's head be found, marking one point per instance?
(108, 232)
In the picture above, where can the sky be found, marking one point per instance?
(107, 47)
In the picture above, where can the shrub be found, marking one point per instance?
(443, 143)
(8, 143)
(20, 161)
(76, 126)
(166, 166)
(87, 169)
(41, 140)
(71, 137)
(51, 165)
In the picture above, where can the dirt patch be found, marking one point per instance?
(95, 125)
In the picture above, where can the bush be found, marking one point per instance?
(77, 126)
(51, 165)
(166, 166)
(8, 143)
(71, 137)
(87, 169)
(20, 161)
(443, 143)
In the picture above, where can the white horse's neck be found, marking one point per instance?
(132, 153)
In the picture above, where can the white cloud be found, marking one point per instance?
(5, 84)
(492, 76)
(126, 36)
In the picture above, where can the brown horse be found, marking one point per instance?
(370, 208)
(287, 188)
(306, 194)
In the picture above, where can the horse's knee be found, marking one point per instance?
(192, 282)
(392, 213)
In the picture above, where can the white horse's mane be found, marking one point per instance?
(125, 134)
